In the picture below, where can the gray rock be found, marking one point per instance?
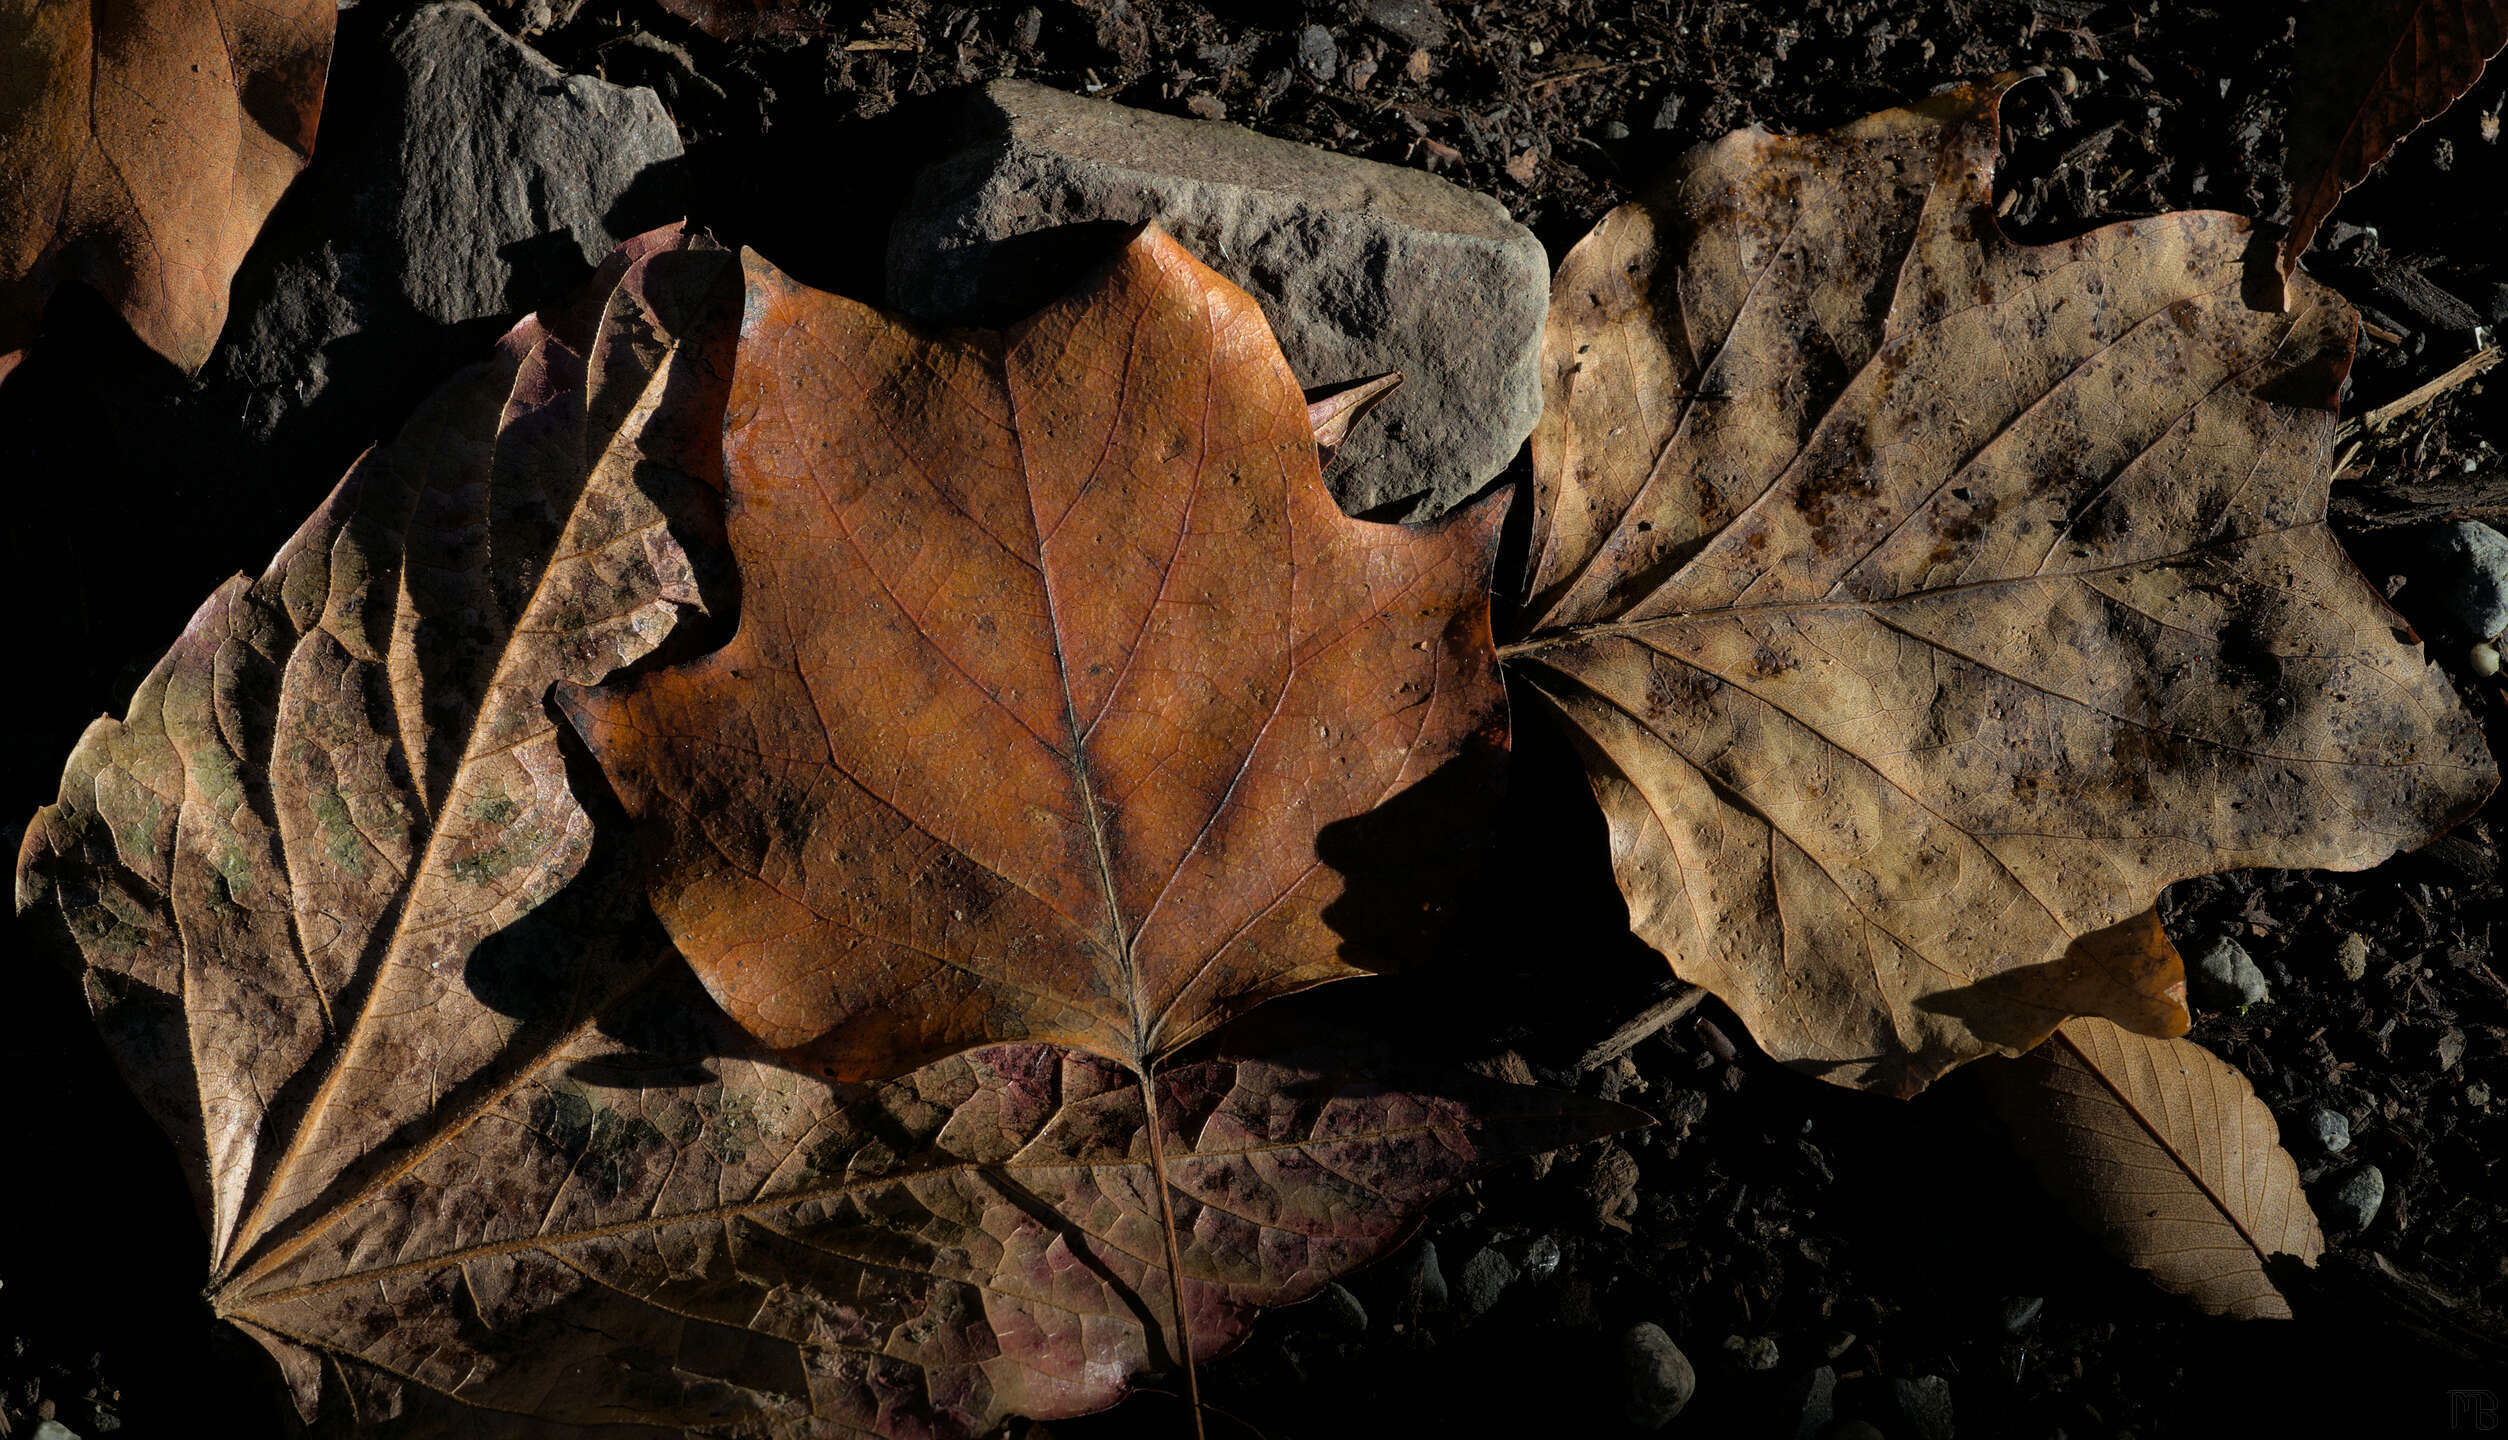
(1418, 22)
(2021, 1311)
(2477, 1094)
(502, 156)
(2354, 1198)
(1428, 1279)
(1485, 1278)
(1926, 1403)
(2330, 1130)
(1318, 53)
(1810, 1404)
(1751, 1352)
(1361, 268)
(1341, 1309)
(53, 1430)
(2466, 568)
(1854, 1430)
(1536, 1258)
(1660, 1377)
(468, 180)
(2226, 978)
(2351, 955)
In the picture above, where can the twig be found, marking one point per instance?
(1673, 1001)
(2378, 418)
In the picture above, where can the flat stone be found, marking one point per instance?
(1485, 1278)
(2226, 977)
(505, 162)
(2466, 568)
(1361, 268)
(1660, 1378)
(463, 180)
(1925, 1402)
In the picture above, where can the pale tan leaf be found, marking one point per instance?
(2165, 1152)
(1924, 602)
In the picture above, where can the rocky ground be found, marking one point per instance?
(1824, 1261)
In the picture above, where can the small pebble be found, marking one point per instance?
(2467, 562)
(1486, 1277)
(54, 1430)
(2353, 955)
(1810, 1404)
(1926, 1402)
(2331, 1131)
(1839, 1344)
(1341, 1310)
(2226, 978)
(1207, 107)
(1318, 53)
(2477, 1095)
(1751, 1352)
(1428, 1280)
(2020, 1312)
(2483, 658)
(2450, 1048)
(1614, 130)
(1538, 1258)
(2355, 1199)
(1660, 1377)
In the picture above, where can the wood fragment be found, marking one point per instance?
(1672, 1000)
(2380, 417)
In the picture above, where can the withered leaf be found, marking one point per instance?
(1925, 602)
(757, 1251)
(2366, 74)
(1056, 671)
(141, 147)
(2164, 1151)
(344, 776)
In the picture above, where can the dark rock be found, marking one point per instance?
(1810, 1403)
(1925, 1403)
(1660, 1377)
(2226, 977)
(2353, 1199)
(1536, 1257)
(1485, 1279)
(1318, 54)
(1427, 1278)
(1341, 1310)
(1854, 1430)
(2351, 956)
(1361, 268)
(1415, 22)
(2465, 565)
(1751, 1352)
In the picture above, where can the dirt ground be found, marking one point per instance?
(1898, 1244)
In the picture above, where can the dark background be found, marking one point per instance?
(1769, 1204)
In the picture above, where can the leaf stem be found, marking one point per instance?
(1175, 1256)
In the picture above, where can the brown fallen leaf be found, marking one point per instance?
(344, 776)
(2164, 1151)
(141, 147)
(1059, 679)
(2366, 74)
(1056, 665)
(703, 1239)
(1925, 602)
(476, 1152)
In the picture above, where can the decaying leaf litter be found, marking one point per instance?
(1729, 1022)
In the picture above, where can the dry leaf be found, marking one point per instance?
(345, 776)
(141, 147)
(684, 1237)
(2166, 1153)
(1924, 602)
(2368, 73)
(1058, 681)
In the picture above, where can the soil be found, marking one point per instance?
(1891, 1242)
